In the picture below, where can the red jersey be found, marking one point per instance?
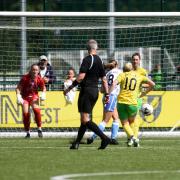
(30, 87)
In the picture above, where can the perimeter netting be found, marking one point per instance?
(63, 40)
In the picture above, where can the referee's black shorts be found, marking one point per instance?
(87, 99)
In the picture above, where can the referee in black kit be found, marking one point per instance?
(91, 70)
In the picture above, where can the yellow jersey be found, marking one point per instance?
(130, 83)
(141, 71)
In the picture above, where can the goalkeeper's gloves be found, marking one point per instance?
(106, 98)
(43, 96)
(19, 99)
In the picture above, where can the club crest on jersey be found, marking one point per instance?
(156, 102)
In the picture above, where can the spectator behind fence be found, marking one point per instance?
(46, 71)
(157, 77)
(70, 96)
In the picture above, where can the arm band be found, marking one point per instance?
(75, 83)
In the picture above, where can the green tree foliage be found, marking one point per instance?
(91, 5)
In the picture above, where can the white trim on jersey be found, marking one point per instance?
(91, 62)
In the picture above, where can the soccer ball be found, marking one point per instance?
(147, 109)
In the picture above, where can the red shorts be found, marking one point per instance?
(30, 99)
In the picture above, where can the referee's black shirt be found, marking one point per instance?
(93, 66)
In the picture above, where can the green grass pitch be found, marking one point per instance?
(42, 159)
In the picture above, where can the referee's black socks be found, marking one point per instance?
(81, 131)
(93, 127)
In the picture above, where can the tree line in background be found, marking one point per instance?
(91, 5)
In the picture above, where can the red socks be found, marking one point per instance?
(26, 121)
(37, 113)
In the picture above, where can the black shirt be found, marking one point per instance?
(93, 66)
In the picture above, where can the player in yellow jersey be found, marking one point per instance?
(136, 64)
(136, 58)
(130, 82)
(136, 67)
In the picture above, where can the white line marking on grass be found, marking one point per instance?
(38, 147)
(87, 147)
(67, 176)
(161, 139)
(4, 140)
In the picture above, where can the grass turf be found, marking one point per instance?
(41, 159)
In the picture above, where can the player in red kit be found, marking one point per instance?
(27, 95)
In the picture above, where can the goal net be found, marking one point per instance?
(62, 37)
